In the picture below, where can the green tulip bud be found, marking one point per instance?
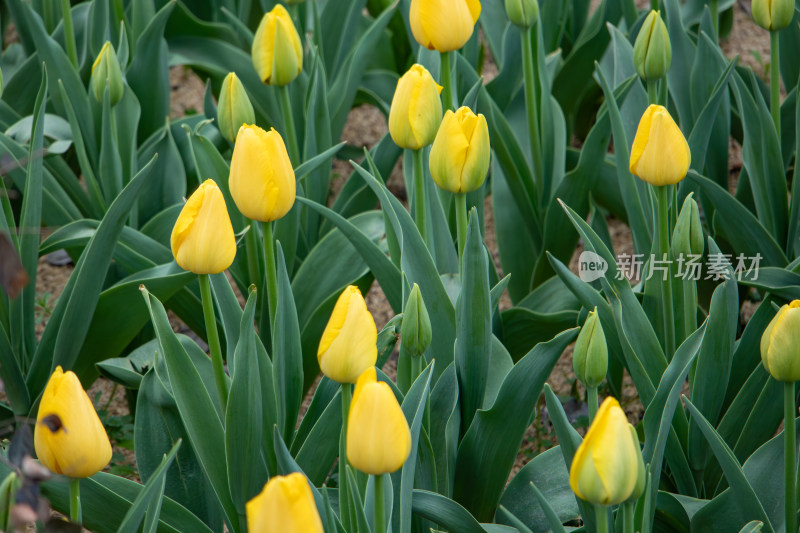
(780, 349)
(652, 51)
(107, 73)
(772, 15)
(590, 357)
(415, 331)
(687, 238)
(234, 107)
(522, 13)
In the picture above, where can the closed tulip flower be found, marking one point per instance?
(286, 505)
(202, 239)
(234, 108)
(772, 15)
(262, 178)
(378, 437)
(780, 344)
(106, 72)
(660, 154)
(348, 344)
(605, 469)
(69, 437)
(443, 25)
(416, 110)
(277, 51)
(460, 153)
(652, 51)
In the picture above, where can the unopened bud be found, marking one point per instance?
(590, 357)
(107, 73)
(522, 13)
(687, 238)
(652, 51)
(415, 331)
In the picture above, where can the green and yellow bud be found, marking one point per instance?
(106, 72)
(234, 109)
(522, 13)
(277, 51)
(652, 51)
(780, 344)
(590, 357)
(460, 153)
(772, 15)
(415, 331)
(687, 238)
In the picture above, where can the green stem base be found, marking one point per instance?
(789, 434)
(213, 340)
(75, 512)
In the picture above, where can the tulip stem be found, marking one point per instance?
(593, 402)
(666, 285)
(380, 511)
(652, 92)
(789, 435)
(447, 88)
(213, 340)
(419, 193)
(69, 32)
(251, 245)
(75, 513)
(288, 122)
(533, 111)
(628, 511)
(775, 81)
(272, 275)
(601, 518)
(461, 222)
(344, 497)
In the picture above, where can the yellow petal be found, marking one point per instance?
(202, 239)
(262, 180)
(448, 154)
(348, 344)
(262, 49)
(476, 163)
(378, 436)
(69, 437)
(780, 344)
(416, 110)
(660, 154)
(286, 505)
(277, 51)
(443, 25)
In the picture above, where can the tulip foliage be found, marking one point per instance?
(229, 261)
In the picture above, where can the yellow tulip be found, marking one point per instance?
(605, 468)
(772, 15)
(286, 505)
(460, 153)
(69, 437)
(234, 107)
(780, 344)
(378, 437)
(443, 25)
(106, 72)
(416, 110)
(262, 178)
(277, 51)
(348, 344)
(202, 239)
(660, 154)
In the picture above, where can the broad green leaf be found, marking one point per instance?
(150, 497)
(445, 512)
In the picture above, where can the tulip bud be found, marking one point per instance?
(687, 238)
(652, 51)
(202, 239)
(262, 178)
(378, 436)
(772, 15)
(638, 489)
(234, 109)
(416, 110)
(107, 73)
(780, 344)
(286, 505)
(522, 13)
(590, 356)
(349, 343)
(277, 50)
(443, 25)
(69, 438)
(415, 331)
(459, 158)
(660, 154)
(605, 469)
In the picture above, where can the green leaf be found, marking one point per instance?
(445, 512)
(205, 431)
(490, 446)
(524, 329)
(150, 498)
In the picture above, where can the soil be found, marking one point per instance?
(367, 125)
